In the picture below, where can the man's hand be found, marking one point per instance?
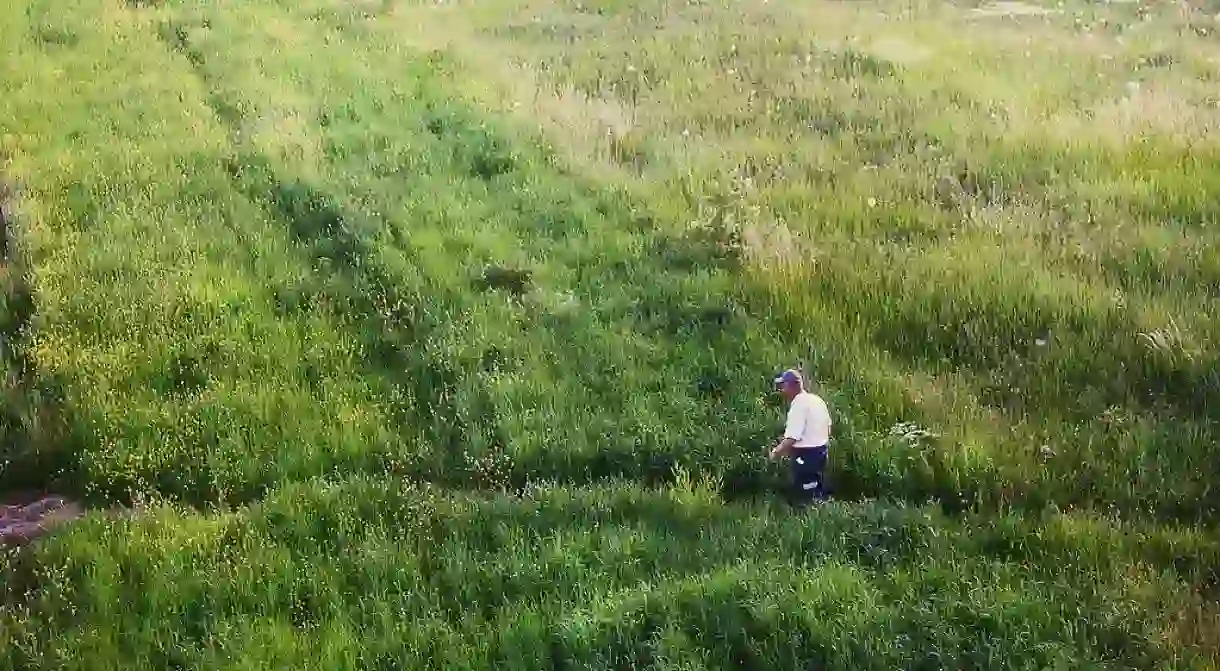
(781, 449)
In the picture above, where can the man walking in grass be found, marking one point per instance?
(806, 437)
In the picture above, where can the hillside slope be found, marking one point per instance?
(407, 317)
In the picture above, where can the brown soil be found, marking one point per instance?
(26, 517)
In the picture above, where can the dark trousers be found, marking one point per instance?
(808, 474)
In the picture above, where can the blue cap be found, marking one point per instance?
(788, 376)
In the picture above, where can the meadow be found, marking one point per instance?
(440, 334)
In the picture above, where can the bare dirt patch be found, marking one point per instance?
(1012, 8)
(900, 51)
(25, 518)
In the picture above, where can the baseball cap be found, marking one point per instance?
(790, 375)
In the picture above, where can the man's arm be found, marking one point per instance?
(792, 432)
(782, 448)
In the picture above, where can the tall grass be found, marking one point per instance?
(375, 574)
(947, 202)
(402, 313)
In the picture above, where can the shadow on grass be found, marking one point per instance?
(35, 451)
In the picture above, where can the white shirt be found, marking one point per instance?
(808, 421)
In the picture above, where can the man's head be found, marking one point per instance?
(790, 383)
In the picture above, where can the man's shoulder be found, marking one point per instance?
(812, 400)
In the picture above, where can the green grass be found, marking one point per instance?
(246, 279)
(378, 574)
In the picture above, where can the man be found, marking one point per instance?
(806, 437)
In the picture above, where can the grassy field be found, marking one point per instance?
(440, 335)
